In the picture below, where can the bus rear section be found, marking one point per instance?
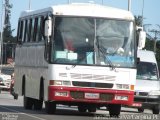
(147, 89)
(87, 59)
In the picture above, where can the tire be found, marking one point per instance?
(91, 108)
(114, 110)
(16, 96)
(38, 104)
(140, 110)
(50, 107)
(82, 108)
(155, 110)
(28, 103)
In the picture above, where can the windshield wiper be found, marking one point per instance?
(103, 50)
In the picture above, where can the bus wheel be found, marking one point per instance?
(82, 108)
(28, 102)
(91, 108)
(38, 104)
(50, 107)
(16, 96)
(155, 109)
(114, 110)
(141, 110)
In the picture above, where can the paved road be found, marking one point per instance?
(11, 109)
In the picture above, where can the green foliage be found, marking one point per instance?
(150, 46)
(138, 20)
(158, 53)
(9, 41)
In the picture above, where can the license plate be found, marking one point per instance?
(92, 95)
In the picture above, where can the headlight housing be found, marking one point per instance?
(123, 86)
(154, 93)
(60, 83)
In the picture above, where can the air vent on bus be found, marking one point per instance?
(80, 95)
(63, 74)
(92, 77)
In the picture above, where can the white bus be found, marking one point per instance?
(78, 54)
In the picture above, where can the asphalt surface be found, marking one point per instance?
(11, 109)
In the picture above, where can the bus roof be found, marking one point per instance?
(84, 9)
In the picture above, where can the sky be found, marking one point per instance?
(150, 12)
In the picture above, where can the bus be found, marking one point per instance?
(78, 54)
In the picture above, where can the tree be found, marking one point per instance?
(8, 40)
(149, 45)
(138, 20)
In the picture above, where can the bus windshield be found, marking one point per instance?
(147, 71)
(93, 41)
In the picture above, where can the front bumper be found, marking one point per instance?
(78, 95)
(146, 101)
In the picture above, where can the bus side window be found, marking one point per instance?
(32, 30)
(40, 28)
(29, 30)
(35, 30)
(25, 31)
(20, 31)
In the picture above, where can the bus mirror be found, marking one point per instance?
(48, 27)
(142, 39)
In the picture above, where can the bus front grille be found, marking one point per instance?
(80, 95)
(92, 84)
(77, 94)
(106, 97)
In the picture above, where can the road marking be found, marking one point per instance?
(10, 113)
(18, 112)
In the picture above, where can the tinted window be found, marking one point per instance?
(147, 71)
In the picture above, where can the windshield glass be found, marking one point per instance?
(147, 71)
(93, 41)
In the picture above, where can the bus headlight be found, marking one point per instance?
(57, 82)
(68, 83)
(123, 86)
(154, 92)
(60, 82)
